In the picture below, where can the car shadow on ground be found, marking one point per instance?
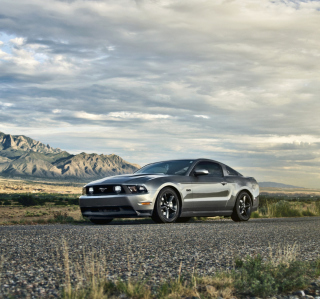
(150, 221)
(213, 222)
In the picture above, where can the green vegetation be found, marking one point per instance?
(263, 279)
(33, 208)
(35, 214)
(39, 208)
(252, 276)
(285, 206)
(39, 199)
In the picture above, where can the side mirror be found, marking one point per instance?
(201, 172)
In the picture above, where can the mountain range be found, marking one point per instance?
(277, 185)
(24, 157)
(21, 156)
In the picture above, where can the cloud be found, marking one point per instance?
(146, 116)
(231, 80)
(6, 104)
(202, 116)
(18, 41)
(55, 111)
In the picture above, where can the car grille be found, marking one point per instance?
(104, 190)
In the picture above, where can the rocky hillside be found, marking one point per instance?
(22, 156)
(25, 143)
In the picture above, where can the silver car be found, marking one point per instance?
(172, 191)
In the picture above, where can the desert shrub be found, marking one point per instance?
(307, 213)
(73, 201)
(6, 202)
(255, 214)
(35, 214)
(264, 201)
(62, 217)
(60, 203)
(263, 210)
(317, 206)
(261, 278)
(28, 200)
(283, 209)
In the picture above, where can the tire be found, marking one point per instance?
(242, 208)
(183, 219)
(167, 207)
(101, 221)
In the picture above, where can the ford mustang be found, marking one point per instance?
(172, 191)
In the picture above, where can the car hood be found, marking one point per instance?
(127, 179)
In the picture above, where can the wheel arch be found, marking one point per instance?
(176, 190)
(249, 193)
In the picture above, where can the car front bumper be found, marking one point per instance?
(255, 204)
(115, 206)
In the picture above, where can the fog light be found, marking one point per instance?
(117, 189)
(91, 190)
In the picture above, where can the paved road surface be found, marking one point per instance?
(33, 256)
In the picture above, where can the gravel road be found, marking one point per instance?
(33, 257)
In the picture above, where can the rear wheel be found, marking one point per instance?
(242, 208)
(101, 221)
(167, 207)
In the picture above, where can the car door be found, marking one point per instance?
(210, 192)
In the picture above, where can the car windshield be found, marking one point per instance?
(176, 167)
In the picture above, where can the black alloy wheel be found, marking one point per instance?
(101, 221)
(167, 207)
(242, 208)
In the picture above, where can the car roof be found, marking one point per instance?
(194, 161)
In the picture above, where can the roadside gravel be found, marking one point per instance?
(33, 257)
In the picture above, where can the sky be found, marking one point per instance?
(235, 81)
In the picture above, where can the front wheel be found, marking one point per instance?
(242, 208)
(167, 207)
(101, 221)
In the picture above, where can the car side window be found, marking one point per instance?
(231, 171)
(213, 168)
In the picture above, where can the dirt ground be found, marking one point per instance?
(21, 186)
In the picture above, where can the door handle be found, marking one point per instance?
(224, 183)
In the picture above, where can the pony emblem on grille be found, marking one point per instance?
(103, 189)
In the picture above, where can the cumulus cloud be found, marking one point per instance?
(231, 80)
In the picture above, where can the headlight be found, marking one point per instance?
(84, 191)
(137, 189)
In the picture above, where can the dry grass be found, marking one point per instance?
(283, 254)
